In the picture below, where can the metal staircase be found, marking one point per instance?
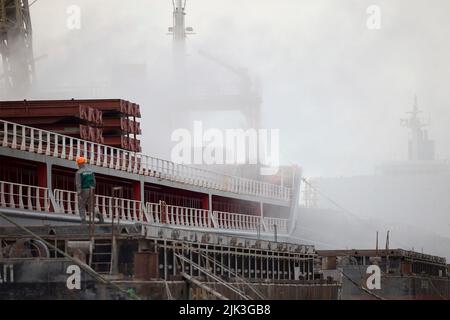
(212, 276)
(241, 280)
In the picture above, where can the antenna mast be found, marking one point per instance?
(420, 146)
(179, 31)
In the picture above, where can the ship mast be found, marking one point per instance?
(420, 147)
(179, 32)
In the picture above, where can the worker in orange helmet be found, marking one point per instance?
(85, 186)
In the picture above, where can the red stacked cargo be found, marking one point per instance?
(120, 128)
(111, 121)
(73, 119)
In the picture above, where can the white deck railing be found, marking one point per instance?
(184, 216)
(234, 221)
(278, 223)
(30, 139)
(119, 208)
(19, 196)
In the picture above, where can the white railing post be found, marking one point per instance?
(70, 149)
(109, 154)
(78, 153)
(38, 200)
(156, 212)
(12, 204)
(148, 209)
(111, 208)
(29, 196)
(92, 155)
(56, 147)
(192, 213)
(14, 140)
(135, 164)
(117, 167)
(40, 148)
(169, 215)
(69, 203)
(152, 210)
(20, 202)
(151, 167)
(122, 209)
(216, 218)
(139, 214)
(57, 201)
(115, 209)
(97, 204)
(135, 213)
(102, 206)
(98, 156)
(176, 215)
(208, 218)
(48, 147)
(105, 156)
(64, 146)
(85, 149)
(130, 163)
(2, 194)
(47, 200)
(23, 145)
(143, 165)
(124, 160)
(5, 134)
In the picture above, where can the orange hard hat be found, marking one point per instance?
(81, 160)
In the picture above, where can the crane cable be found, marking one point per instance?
(332, 201)
(348, 212)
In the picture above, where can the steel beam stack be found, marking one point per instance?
(120, 127)
(112, 121)
(76, 120)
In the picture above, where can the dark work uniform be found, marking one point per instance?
(85, 184)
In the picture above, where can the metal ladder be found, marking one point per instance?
(101, 256)
(212, 276)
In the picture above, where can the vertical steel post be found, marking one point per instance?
(165, 260)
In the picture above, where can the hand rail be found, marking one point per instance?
(16, 136)
(20, 196)
(236, 221)
(281, 224)
(119, 208)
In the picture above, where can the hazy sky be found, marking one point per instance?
(334, 88)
